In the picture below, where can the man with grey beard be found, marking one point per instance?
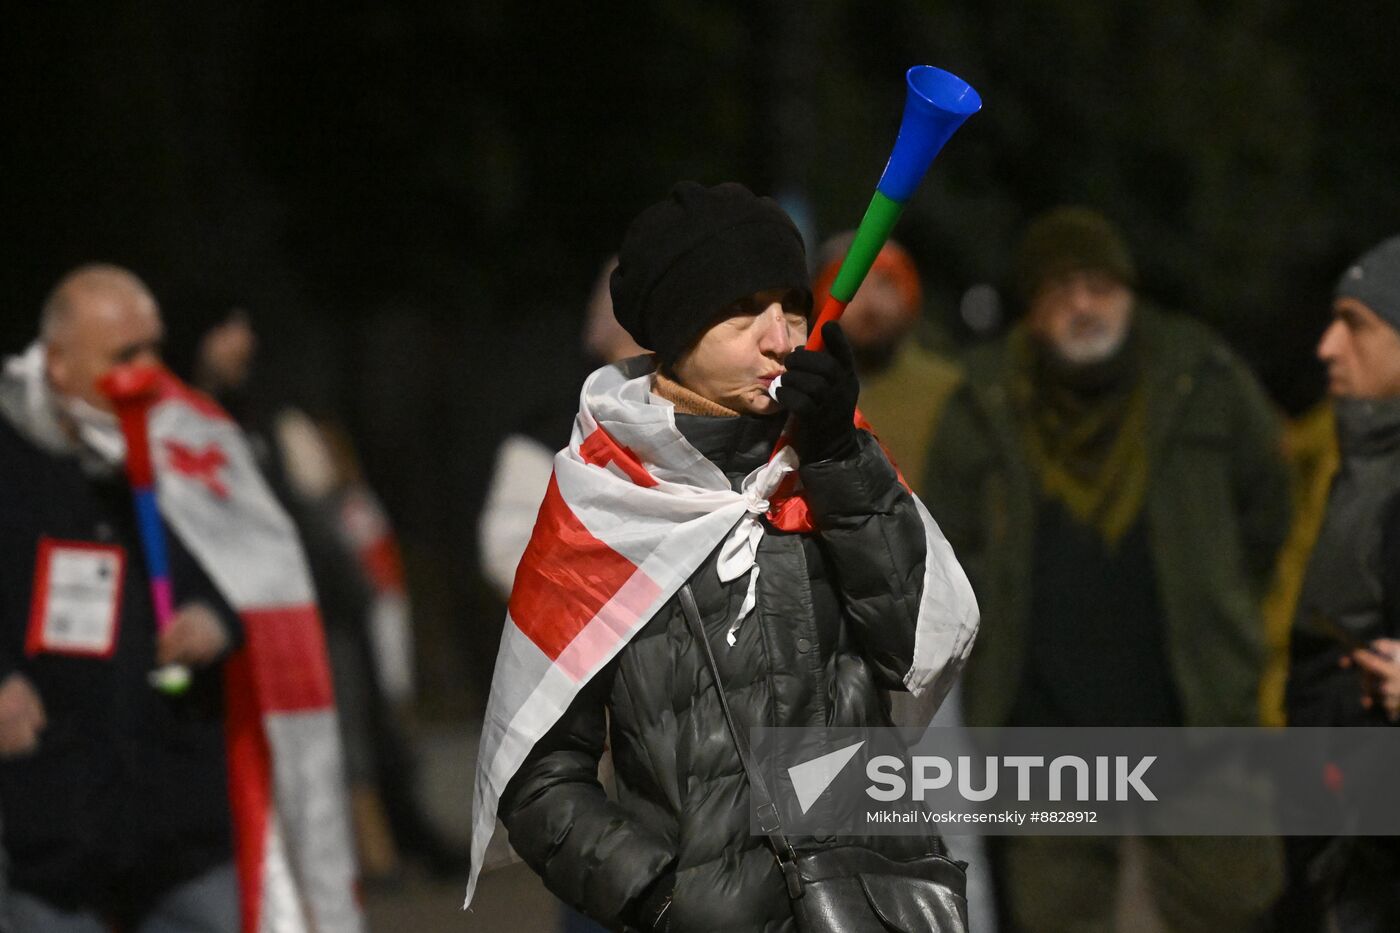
(1112, 479)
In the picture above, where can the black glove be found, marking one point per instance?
(820, 388)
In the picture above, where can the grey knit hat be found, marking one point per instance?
(1374, 280)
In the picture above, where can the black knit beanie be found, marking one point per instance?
(1375, 281)
(685, 259)
(1071, 239)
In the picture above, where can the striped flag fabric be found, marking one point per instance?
(293, 848)
(631, 512)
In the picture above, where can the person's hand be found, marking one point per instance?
(195, 637)
(820, 388)
(1380, 675)
(21, 716)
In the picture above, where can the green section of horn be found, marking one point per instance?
(874, 230)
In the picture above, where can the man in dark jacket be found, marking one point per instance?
(1351, 591)
(714, 281)
(114, 795)
(1112, 478)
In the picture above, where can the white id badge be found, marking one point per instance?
(77, 599)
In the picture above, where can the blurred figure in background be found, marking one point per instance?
(93, 755)
(116, 797)
(1112, 478)
(526, 457)
(903, 387)
(604, 339)
(359, 577)
(1310, 446)
(1345, 649)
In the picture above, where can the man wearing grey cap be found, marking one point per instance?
(1345, 648)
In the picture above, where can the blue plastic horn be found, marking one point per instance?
(937, 104)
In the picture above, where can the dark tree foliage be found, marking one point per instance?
(480, 159)
(414, 197)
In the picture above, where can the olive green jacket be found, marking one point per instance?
(1217, 507)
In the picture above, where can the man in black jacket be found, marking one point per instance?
(1351, 591)
(714, 280)
(114, 795)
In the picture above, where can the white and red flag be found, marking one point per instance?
(293, 846)
(293, 849)
(631, 512)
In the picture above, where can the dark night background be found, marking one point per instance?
(414, 199)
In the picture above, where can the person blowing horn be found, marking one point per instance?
(664, 493)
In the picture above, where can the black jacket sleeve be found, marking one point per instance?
(954, 482)
(589, 851)
(869, 527)
(1390, 568)
(1260, 478)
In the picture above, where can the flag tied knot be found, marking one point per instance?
(738, 554)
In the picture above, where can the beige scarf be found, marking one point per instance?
(686, 401)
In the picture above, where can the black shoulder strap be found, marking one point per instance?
(766, 809)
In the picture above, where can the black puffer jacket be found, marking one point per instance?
(834, 627)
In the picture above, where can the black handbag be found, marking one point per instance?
(846, 888)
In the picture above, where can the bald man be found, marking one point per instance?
(113, 796)
(98, 316)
